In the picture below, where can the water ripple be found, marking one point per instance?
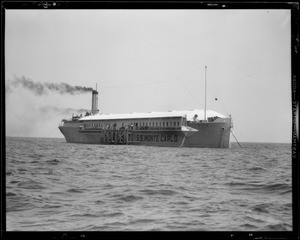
(57, 186)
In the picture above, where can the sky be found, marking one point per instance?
(150, 60)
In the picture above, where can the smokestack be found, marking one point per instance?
(95, 109)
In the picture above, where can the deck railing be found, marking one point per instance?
(134, 128)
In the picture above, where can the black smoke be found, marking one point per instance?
(40, 89)
(53, 109)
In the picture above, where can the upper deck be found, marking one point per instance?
(188, 114)
(172, 120)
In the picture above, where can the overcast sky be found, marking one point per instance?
(151, 60)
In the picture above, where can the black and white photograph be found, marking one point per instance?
(120, 119)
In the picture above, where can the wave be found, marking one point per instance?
(74, 190)
(173, 189)
(52, 206)
(254, 219)
(22, 170)
(184, 155)
(159, 192)
(85, 215)
(10, 194)
(248, 226)
(131, 198)
(35, 161)
(36, 156)
(18, 203)
(99, 202)
(279, 188)
(261, 208)
(236, 184)
(143, 220)
(280, 227)
(14, 181)
(255, 169)
(9, 172)
(181, 203)
(31, 184)
(53, 161)
(288, 205)
(114, 214)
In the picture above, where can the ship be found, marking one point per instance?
(199, 128)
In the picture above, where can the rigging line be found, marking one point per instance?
(136, 85)
(219, 95)
(218, 101)
(214, 93)
(197, 101)
(214, 87)
(235, 138)
(211, 93)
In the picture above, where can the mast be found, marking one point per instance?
(205, 96)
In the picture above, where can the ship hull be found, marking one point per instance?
(208, 135)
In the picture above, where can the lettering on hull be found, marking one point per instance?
(157, 138)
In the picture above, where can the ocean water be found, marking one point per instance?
(52, 185)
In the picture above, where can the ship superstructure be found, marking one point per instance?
(172, 129)
(190, 128)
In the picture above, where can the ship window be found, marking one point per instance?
(167, 123)
(156, 124)
(177, 123)
(163, 124)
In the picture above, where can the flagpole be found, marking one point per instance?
(205, 96)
